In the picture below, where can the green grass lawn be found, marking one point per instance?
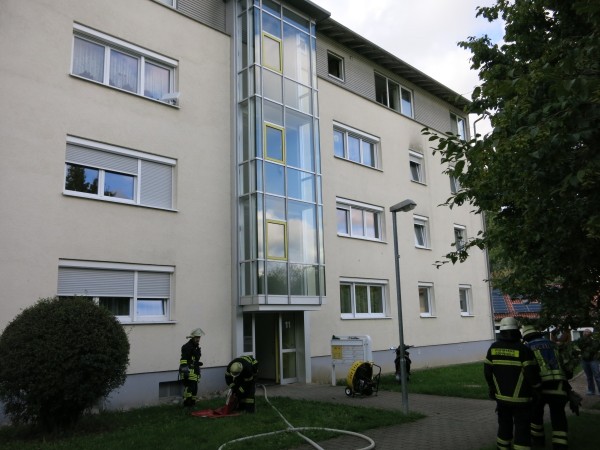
(172, 427)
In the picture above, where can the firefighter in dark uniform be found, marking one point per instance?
(555, 389)
(513, 377)
(189, 367)
(240, 376)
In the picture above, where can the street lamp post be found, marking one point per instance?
(403, 206)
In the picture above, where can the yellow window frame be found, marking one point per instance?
(276, 40)
(282, 130)
(285, 240)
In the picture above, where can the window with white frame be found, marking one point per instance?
(391, 94)
(458, 126)
(133, 293)
(355, 146)
(363, 299)
(454, 184)
(426, 300)
(421, 225)
(359, 220)
(113, 62)
(335, 66)
(465, 300)
(417, 167)
(460, 237)
(106, 172)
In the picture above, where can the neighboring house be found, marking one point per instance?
(505, 305)
(230, 165)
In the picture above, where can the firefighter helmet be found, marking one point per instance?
(196, 333)
(236, 368)
(509, 323)
(528, 330)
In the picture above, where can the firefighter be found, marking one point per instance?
(513, 377)
(240, 376)
(189, 367)
(555, 389)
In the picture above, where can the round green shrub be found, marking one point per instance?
(59, 357)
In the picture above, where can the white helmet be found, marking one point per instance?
(195, 333)
(509, 323)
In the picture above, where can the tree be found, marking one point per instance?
(59, 357)
(536, 176)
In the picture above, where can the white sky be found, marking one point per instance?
(423, 33)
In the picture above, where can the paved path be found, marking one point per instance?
(451, 423)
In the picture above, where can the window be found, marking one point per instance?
(466, 303)
(168, 2)
(358, 220)
(355, 146)
(421, 232)
(272, 52)
(362, 299)
(335, 66)
(106, 172)
(458, 126)
(426, 302)
(460, 237)
(454, 184)
(113, 62)
(133, 293)
(417, 168)
(391, 94)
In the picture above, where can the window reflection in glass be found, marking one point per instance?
(342, 221)
(81, 179)
(274, 143)
(299, 143)
(406, 103)
(376, 299)
(271, 25)
(297, 96)
(303, 279)
(372, 225)
(297, 51)
(274, 179)
(338, 143)
(272, 86)
(345, 299)
(353, 149)
(301, 185)
(277, 283)
(274, 207)
(302, 232)
(118, 306)
(358, 228)
(119, 185)
(362, 304)
(151, 307)
(368, 153)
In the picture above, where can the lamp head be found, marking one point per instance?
(403, 206)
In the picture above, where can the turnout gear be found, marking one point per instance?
(189, 367)
(554, 393)
(512, 374)
(240, 376)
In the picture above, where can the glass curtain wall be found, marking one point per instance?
(280, 214)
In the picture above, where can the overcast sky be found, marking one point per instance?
(423, 33)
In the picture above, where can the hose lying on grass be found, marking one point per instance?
(292, 429)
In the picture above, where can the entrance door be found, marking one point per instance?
(288, 353)
(277, 336)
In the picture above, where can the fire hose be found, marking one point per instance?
(297, 430)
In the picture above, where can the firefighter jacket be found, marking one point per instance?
(245, 380)
(511, 372)
(554, 380)
(190, 358)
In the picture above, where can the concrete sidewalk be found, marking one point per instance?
(451, 423)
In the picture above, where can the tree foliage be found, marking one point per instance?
(536, 176)
(59, 357)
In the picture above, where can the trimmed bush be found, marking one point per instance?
(59, 357)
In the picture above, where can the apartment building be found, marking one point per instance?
(230, 165)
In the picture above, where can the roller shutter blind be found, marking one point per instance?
(102, 160)
(95, 282)
(154, 284)
(156, 184)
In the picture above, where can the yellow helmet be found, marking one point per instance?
(195, 333)
(236, 368)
